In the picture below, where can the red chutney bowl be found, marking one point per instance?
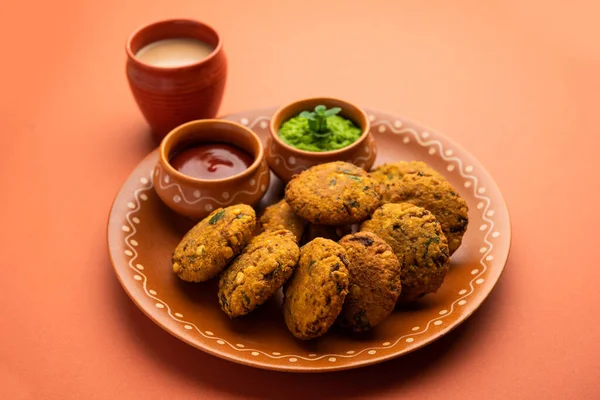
(287, 161)
(196, 198)
(171, 96)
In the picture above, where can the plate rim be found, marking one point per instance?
(152, 314)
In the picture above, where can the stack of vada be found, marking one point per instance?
(347, 246)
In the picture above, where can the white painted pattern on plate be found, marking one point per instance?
(408, 338)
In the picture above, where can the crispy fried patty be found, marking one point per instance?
(417, 239)
(394, 171)
(417, 183)
(374, 281)
(210, 245)
(315, 294)
(258, 272)
(280, 216)
(334, 193)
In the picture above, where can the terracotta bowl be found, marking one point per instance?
(171, 96)
(196, 198)
(287, 161)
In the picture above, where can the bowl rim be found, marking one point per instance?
(171, 138)
(366, 129)
(164, 22)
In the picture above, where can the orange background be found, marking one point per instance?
(515, 82)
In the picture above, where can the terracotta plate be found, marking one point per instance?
(142, 234)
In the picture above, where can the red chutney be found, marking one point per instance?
(211, 161)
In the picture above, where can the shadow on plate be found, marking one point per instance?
(205, 370)
(198, 293)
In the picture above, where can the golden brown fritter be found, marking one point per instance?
(417, 183)
(395, 171)
(210, 245)
(315, 294)
(258, 272)
(374, 281)
(438, 196)
(280, 216)
(419, 243)
(334, 193)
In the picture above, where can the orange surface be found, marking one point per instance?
(515, 82)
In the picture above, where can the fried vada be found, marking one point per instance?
(258, 272)
(374, 281)
(335, 193)
(280, 216)
(210, 245)
(314, 295)
(417, 183)
(417, 239)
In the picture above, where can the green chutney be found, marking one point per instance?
(342, 133)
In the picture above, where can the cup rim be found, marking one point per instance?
(153, 25)
(273, 130)
(171, 137)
